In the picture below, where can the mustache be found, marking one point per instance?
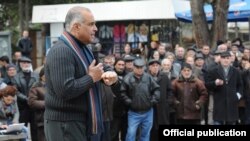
(26, 69)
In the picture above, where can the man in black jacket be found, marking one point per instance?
(140, 93)
(226, 83)
(25, 44)
(161, 110)
(119, 123)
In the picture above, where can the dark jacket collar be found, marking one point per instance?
(80, 44)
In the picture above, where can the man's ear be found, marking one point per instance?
(76, 26)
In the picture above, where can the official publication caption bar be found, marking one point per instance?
(197, 132)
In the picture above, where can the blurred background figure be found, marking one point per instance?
(25, 44)
(17, 55)
(37, 103)
(23, 82)
(11, 73)
(9, 113)
(4, 61)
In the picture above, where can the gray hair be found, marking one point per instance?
(73, 16)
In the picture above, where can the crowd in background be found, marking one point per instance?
(198, 86)
(25, 89)
(160, 83)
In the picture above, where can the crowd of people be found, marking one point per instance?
(22, 91)
(76, 95)
(198, 86)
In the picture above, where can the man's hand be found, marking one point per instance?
(96, 71)
(197, 105)
(247, 66)
(219, 82)
(109, 77)
(4, 126)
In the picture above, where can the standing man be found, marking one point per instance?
(226, 84)
(189, 96)
(16, 56)
(119, 123)
(161, 110)
(25, 44)
(23, 81)
(140, 93)
(73, 100)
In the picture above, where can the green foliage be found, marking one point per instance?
(8, 16)
(9, 20)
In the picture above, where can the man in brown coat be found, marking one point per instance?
(190, 94)
(37, 103)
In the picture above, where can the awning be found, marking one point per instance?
(238, 11)
(109, 11)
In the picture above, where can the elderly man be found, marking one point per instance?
(24, 81)
(73, 100)
(226, 84)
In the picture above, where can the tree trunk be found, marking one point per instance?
(200, 27)
(20, 8)
(26, 14)
(219, 24)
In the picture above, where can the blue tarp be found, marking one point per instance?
(239, 10)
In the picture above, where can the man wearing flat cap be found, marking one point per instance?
(191, 51)
(161, 110)
(23, 60)
(140, 93)
(226, 83)
(206, 69)
(129, 63)
(199, 57)
(23, 81)
(139, 63)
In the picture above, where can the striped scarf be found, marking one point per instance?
(94, 122)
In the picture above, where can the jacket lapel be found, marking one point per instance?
(220, 72)
(230, 73)
(22, 81)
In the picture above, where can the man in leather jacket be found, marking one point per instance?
(140, 92)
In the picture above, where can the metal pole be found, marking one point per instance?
(249, 28)
(236, 30)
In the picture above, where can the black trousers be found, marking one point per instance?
(27, 116)
(106, 134)
(65, 130)
(119, 125)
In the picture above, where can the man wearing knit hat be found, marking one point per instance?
(11, 72)
(190, 95)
